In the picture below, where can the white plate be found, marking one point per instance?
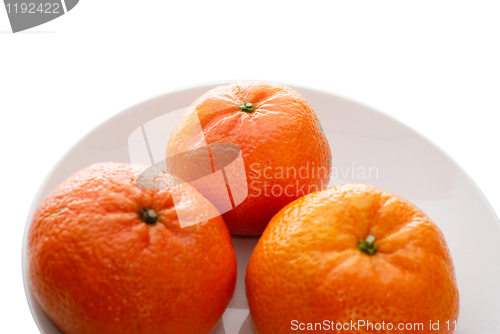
(393, 157)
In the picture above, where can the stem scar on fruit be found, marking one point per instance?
(367, 246)
(246, 106)
(149, 216)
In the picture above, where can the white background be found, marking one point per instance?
(434, 65)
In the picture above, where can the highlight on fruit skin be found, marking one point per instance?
(107, 256)
(352, 252)
(284, 149)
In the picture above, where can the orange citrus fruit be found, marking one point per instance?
(107, 256)
(352, 254)
(285, 151)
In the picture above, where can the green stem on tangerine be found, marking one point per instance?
(149, 216)
(247, 107)
(367, 246)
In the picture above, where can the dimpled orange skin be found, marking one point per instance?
(306, 266)
(96, 267)
(283, 133)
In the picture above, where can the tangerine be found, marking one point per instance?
(351, 254)
(108, 256)
(284, 148)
